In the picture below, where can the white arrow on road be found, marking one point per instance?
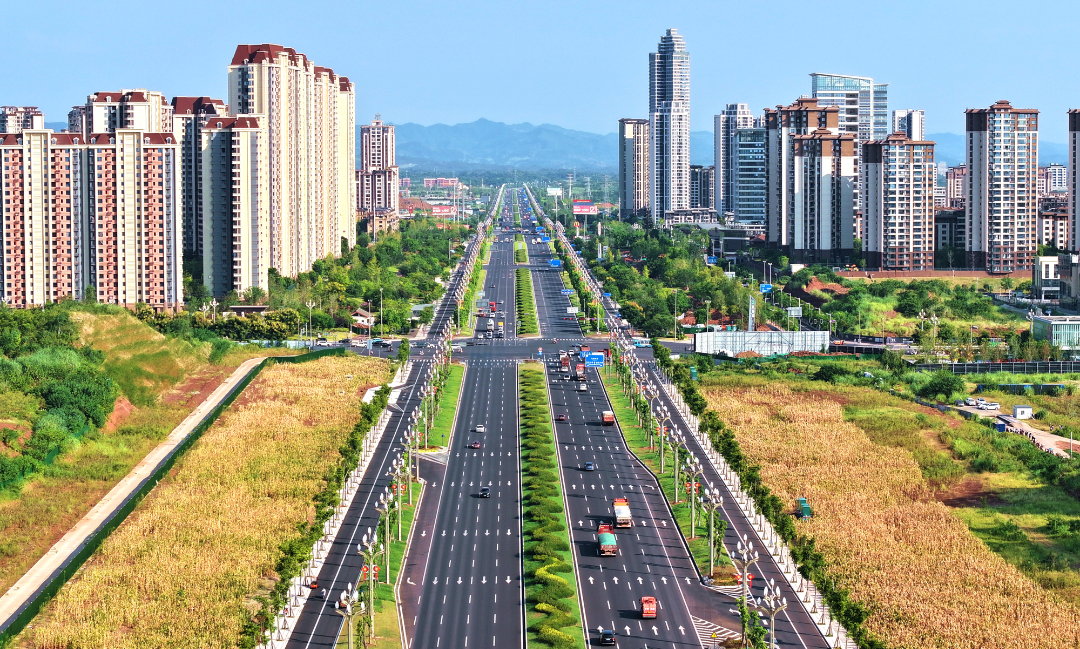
(639, 581)
(444, 532)
(654, 630)
(644, 523)
(579, 523)
(508, 579)
(459, 581)
(682, 630)
(423, 533)
(409, 581)
(663, 579)
(616, 580)
(627, 630)
(688, 580)
(590, 579)
(483, 580)
(487, 532)
(435, 581)
(664, 522)
(508, 532)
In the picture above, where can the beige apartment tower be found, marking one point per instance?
(1002, 206)
(310, 125)
(188, 116)
(898, 209)
(633, 167)
(16, 119)
(377, 181)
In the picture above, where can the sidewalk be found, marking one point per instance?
(42, 572)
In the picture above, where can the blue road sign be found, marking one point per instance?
(711, 260)
(545, 239)
(607, 294)
(556, 263)
(594, 360)
(568, 291)
(766, 288)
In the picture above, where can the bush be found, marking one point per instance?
(942, 382)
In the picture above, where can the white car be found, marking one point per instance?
(480, 428)
(970, 401)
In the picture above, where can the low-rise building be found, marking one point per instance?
(1052, 228)
(1062, 331)
(1045, 282)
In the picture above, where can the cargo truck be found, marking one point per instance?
(607, 418)
(607, 545)
(579, 371)
(622, 513)
(564, 361)
(648, 607)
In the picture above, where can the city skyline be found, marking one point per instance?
(942, 86)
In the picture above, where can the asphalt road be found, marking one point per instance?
(472, 583)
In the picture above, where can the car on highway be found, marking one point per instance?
(590, 466)
(561, 417)
(480, 428)
(385, 344)
(419, 344)
(566, 377)
(322, 342)
(607, 637)
(474, 445)
(582, 387)
(485, 492)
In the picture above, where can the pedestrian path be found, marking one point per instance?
(61, 553)
(710, 634)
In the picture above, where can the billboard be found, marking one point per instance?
(794, 311)
(444, 210)
(585, 207)
(554, 191)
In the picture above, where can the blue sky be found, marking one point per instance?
(578, 64)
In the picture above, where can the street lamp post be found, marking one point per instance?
(370, 549)
(382, 328)
(386, 503)
(711, 500)
(693, 471)
(743, 559)
(346, 610)
(771, 603)
(676, 442)
(309, 304)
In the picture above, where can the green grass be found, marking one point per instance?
(548, 552)
(526, 307)
(637, 440)
(448, 404)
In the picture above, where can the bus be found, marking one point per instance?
(642, 342)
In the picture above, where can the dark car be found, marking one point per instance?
(607, 636)
(474, 445)
(485, 492)
(590, 466)
(561, 418)
(385, 344)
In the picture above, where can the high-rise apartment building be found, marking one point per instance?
(669, 126)
(633, 166)
(1002, 206)
(725, 125)
(1053, 178)
(377, 179)
(899, 176)
(377, 148)
(701, 184)
(1072, 178)
(1052, 228)
(310, 120)
(863, 104)
(234, 208)
(748, 196)
(910, 123)
(105, 112)
(956, 187)
(188, 115)
(810, 182)
(96, 212)
(16, 119)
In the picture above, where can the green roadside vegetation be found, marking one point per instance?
(521, 253)
(1024, 504)
(637, 439)
(553, 615)
(443, 426)
(387, 628)
(526, 307)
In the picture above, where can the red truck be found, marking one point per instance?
(607, 545)
(608, 418)
(648, 607)
(579, 371)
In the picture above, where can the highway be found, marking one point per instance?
(472, 587)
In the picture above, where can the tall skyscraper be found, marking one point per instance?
(1073, 177)
(734, 117)
(864, 104)
(234, 200)
(910, 123)
(377, 179)
(956, 187)
(16, 119)
(748, 197)
(310, 121)
(189, 113)
(633, 166)
(898, 208)
(1002, 160)
(701, 184)
(810, 183)
(669, 126)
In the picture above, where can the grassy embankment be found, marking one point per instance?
(526, 306)
(637, 440)
(869, 464)
(161, 379)
(221, 520)
(553, 613)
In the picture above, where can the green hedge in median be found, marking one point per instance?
(526, 308)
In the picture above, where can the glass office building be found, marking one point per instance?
(748, 195)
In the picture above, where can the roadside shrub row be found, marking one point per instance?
(526, 308)
(551, 598)
(812, 562)
(297, 551)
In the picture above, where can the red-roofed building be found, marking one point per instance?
(106, 111)
(188, 115)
